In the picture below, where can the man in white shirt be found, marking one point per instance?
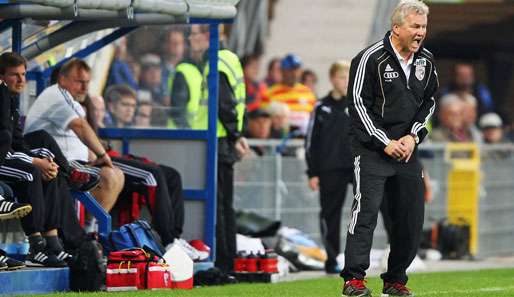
(57, 110)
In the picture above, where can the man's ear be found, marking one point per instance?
(396, 30)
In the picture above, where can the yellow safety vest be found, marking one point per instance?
(228, 64)
(193, 78)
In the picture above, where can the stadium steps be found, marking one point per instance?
(320, 32)
(30, 281)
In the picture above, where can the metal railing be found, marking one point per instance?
(276, 187)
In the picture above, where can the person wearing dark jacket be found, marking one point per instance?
(34, 179)
(187, 82)
(231, 145)
(329, 159)
(391, 90)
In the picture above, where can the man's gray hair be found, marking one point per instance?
(404, 8)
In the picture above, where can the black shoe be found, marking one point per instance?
(44, 259)
(11, 263)
(356, 287)
(63, 256)
(13, 210)
(395, 289)
(82, 181)
(3, 262)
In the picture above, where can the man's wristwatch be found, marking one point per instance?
(416, 138)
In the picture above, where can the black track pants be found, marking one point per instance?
(333, 186)
(376, 174)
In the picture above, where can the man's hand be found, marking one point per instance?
(242, 147)
(409, 143)
(103, 160)
(396, 150)
(48, 167)
(314, 183)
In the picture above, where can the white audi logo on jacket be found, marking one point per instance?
(390, 75)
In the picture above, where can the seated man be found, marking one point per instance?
(33, 179)
(57, 111)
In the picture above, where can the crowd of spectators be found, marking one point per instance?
(279, 102)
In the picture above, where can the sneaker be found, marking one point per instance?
(63, 256)
(82, 181)
(395, 289)
(10, 263)
(356, 287)
(3, 262)
(202, 249)
(13, 264)
(13, 210)
(44, 259)
(188, 249)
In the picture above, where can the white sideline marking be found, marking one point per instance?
(492, 289)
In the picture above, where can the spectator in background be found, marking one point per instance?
(259, 127)
(274, 75)
(279, 119)
(255, 89)
(187, 83)
(143, 114)
(470, 116)
(121, 71)
(451, 117)
(121, 105)
(297, 96)
(173, 52)
(309, 79)
(464, 81)
(329, 159)
(492, 128)
(99, 114)
(151, 79)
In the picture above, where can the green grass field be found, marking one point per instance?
(498, 283)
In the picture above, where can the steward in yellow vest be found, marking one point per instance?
(186, 90)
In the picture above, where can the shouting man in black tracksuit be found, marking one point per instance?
(391, 92)
(329, 159)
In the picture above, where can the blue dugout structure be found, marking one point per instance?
(127, 17)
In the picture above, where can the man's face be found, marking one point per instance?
(464, 76)
(290, 76)
(144, 115)
(99, 109)
(124, 109)
(493, 134)
(340, 81)
(259, 128)
(452, 116)
(251, 70)
(14, 78)
(175, 45)
(151, 76)
(469, 113)
(199, 40)
(77, 83)
(412, 32)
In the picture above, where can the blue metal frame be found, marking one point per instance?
(207, 195)
(212, 140)
(89, 202)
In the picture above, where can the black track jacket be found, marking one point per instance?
(383, 107)
(327, 146)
